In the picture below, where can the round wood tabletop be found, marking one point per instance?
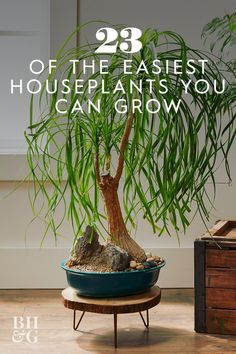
(124, 304)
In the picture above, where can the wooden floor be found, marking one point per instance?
(171, 327)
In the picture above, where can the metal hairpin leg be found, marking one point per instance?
(146, 323)
(75, 326)
(115, 330)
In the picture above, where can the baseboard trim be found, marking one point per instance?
(33, 268)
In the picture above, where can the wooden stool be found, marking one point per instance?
(113, 305)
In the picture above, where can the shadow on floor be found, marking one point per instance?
(156, 339)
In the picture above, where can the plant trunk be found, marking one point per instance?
(116, 225)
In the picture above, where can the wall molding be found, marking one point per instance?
(32, 268)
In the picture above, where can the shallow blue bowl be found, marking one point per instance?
(95, 284)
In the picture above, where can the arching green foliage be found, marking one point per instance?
(169, 158)
(221, 31)
(220, 34)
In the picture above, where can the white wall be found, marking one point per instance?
(24, 34)
(32, 267)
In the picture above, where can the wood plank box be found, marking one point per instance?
(215, 279)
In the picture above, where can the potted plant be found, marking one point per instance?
(135, 130)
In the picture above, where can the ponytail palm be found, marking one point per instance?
(161, 162)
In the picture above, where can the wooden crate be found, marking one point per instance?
(215, 280)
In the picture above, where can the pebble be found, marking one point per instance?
(148, 265)
(157, 259)
(139, 267)
(151, 261)
(133, 264)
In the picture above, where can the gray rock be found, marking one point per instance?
(87, 246)
(88, 250)
(115, 257)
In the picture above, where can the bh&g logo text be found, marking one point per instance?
(25, 329)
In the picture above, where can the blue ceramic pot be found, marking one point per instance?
(111, 284)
